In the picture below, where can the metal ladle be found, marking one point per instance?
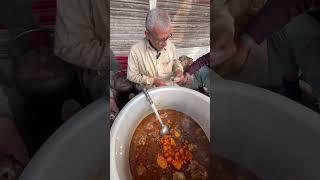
(165, 128)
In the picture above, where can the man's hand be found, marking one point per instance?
(223, 48)
(236, 62)
(114, 106)
(158, 82)
(179, 73)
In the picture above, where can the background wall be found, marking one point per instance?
(191, 23)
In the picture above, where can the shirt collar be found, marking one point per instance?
(148, 45)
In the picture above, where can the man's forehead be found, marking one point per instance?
(160, 31)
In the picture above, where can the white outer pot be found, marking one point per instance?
(275, 137)
(76, 151)
(190, 102)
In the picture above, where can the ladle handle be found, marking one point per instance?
(148, 96)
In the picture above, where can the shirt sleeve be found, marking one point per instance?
(199, 63)
(133, 73)
(275, 15)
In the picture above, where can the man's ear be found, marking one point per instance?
(146, 33)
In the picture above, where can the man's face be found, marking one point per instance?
(158, 37)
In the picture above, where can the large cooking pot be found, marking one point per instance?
(275, 137)
(267, 133)
(188, 101)
(76, 151)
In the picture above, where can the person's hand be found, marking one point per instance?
(179, 73)
(236, 62)
(158, 82)
(187, 77)
(114, 106)
(179, 77)
(224, 47)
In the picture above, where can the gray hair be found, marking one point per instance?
(159, 17)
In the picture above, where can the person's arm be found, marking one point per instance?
(199, 63)
(75, 39)
(275, 15)
(10, 140)
(133, 73)
(177, 66)
(224, 29)
(222, 18)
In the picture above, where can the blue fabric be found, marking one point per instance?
(297, 48)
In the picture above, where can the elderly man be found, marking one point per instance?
(267, 44)
(152, 61)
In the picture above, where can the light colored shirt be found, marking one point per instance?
(144, 66)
